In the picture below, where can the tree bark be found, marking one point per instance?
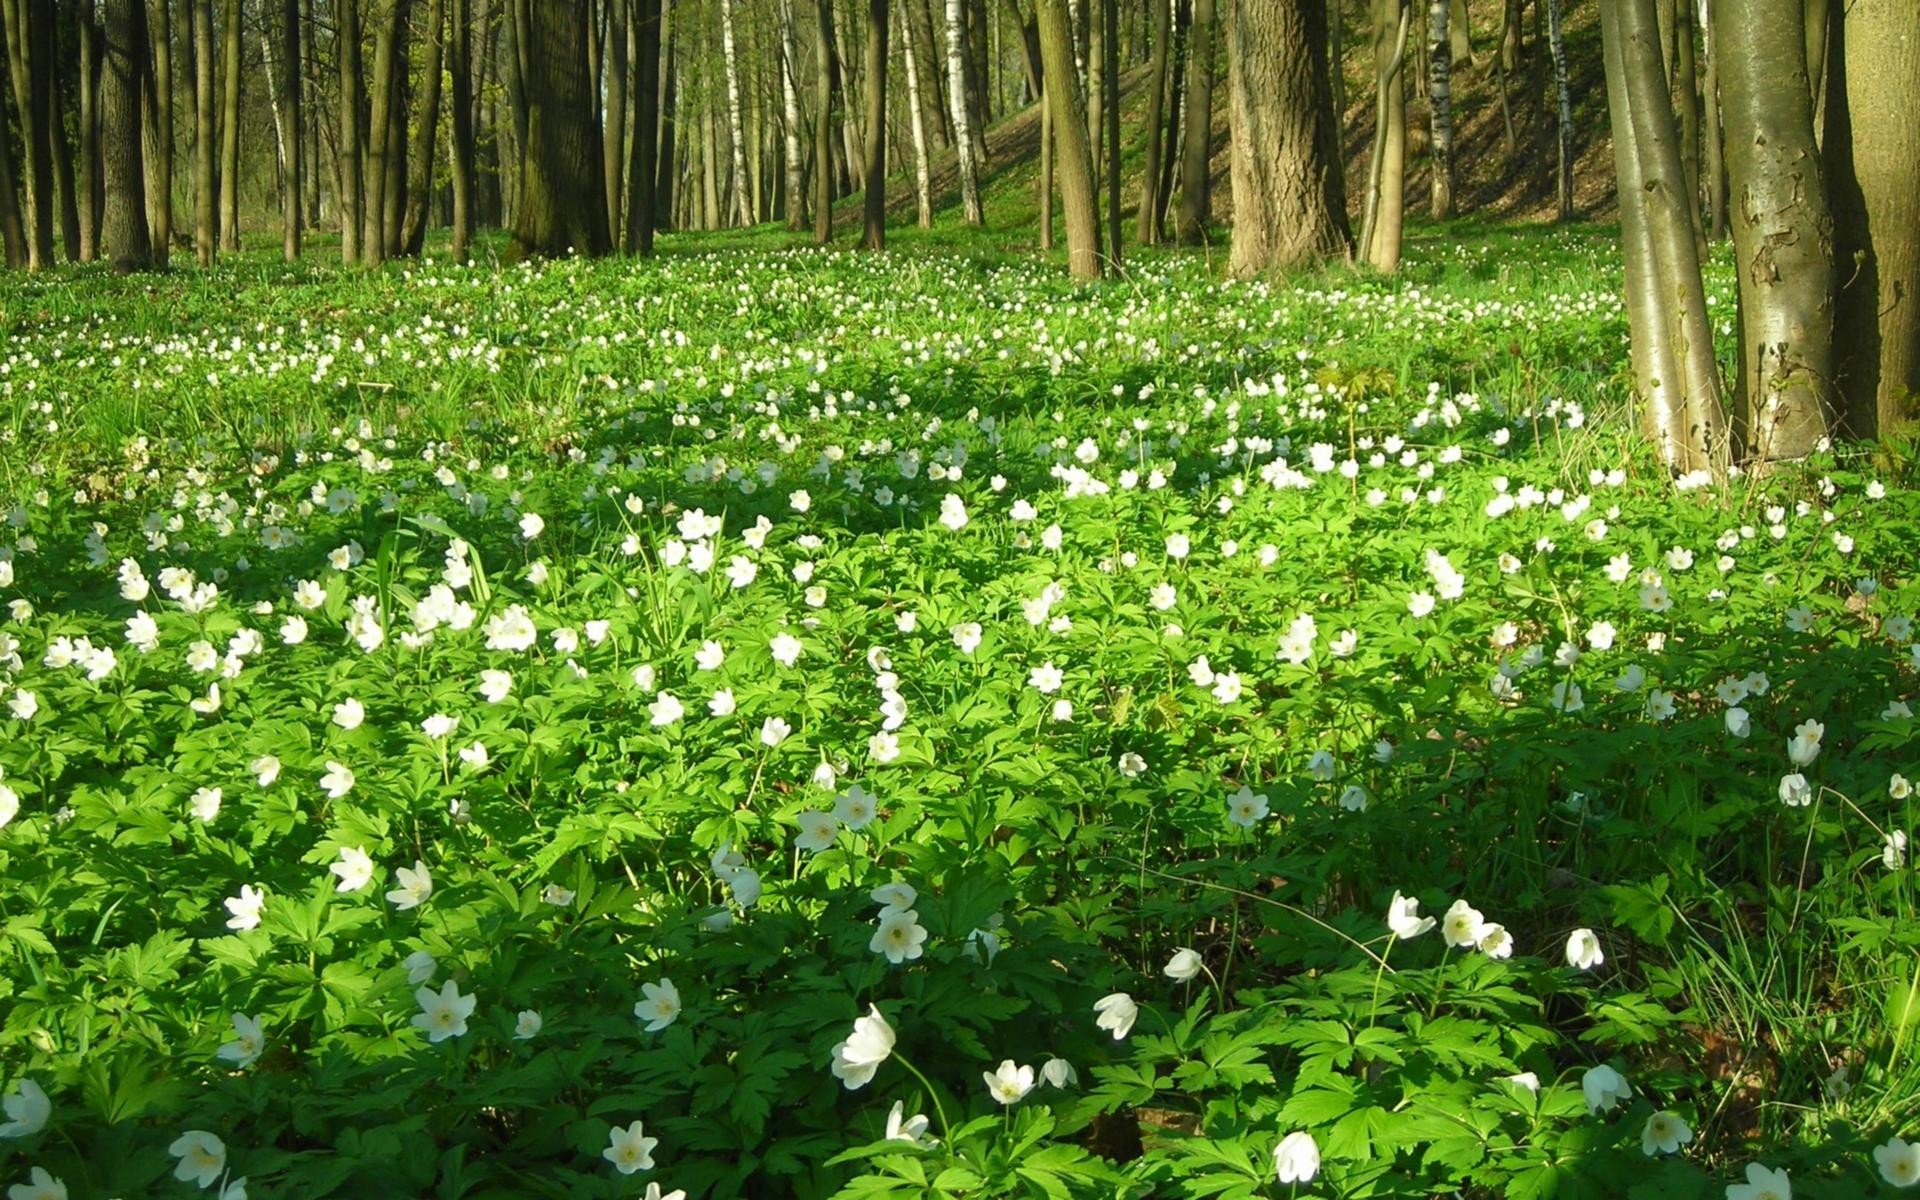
(1146, 225)
(743, 210)
(205, 196)
(823, 125)
(642, 167)
(614, 124)
(290, 104)
(1782, 231)
(13, 239)
(1440, 106)
(124, 224)
(159, 145)
(663, 183)
(1046, 169)
(916, 111)
(1714, 168)
(1072, 157)
(562, 200)
(1111, 10)
(1691, 424)
(1385, 207)
(1873, 170)
(29, 28)
(426, 129)
(963, 131)
(230, 126)
(1563, 110)
(874, 210)
(1289, 201)
(384, 85)
(460, 160)
(1196, 163)
(796, 213)
(90, 186)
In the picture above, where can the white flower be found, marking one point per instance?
(443, 1014)
(1894, 853)
(854, 808)
(1495, 941)
(420, 966)
(1058, 1072)
(1899, 1162)
(338, 780)
(248, 1043)
(1804, 746)
(416, 884)
(438, 726)
(1739, 722)
(203, 1157)
(355, 869)
(1420, 604)
(1795, 791)
(1321, 765)
(41, 1185)
(245, 908)
(773, 731)
(630, 1149)
(857, 1059)
(495, 685)
(530, 525)
(1463, 926)
(1297, 1158)
(902, 1128)
(1404, 919)
(1353, 798)
(1604, 1088)
(895, 895)
(1184, 965)
(1131, 765)
(967, 636)
(953, 512)
(1246, 808)
(527, 1025)
(666, 709)
(1762, 1184)
(1117, 1014)
(816, 831)
(27, 1109)
(349, 713)
(1583, 950)
(1664, 1133)
(661, 1006)
(899, 935)
(205, 803)
(1046, 678)
(786, 649)
(1009, 1083)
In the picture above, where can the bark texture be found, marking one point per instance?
(1289, 199)
(1072, 158)
(874, 208)
(1196, 161)
(563, 201)
(124, 56)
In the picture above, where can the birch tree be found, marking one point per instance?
(963, 134)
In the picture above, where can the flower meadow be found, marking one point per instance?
(764, 723)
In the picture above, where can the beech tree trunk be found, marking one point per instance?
(642, 166)
(1440, 105)
(963, 132)
(384, 84)
(1110, 10)
(205, 194)
(916, 111)
(1782, 231)
(124, 64)
(1196, 162)
(823, 125)
(1873, 171)
(1714, 168)
(613, 139)
(230, 126)
(874, 211)
(460, 160)
(1688, 422)
(29, 29)
(90, 185)
(1384, 218)
(426, 128)
(1146, 225)
(1289, 199)
(159, 141)
(13, 239)
(790, 123)
(1072, 158)
(562, 198)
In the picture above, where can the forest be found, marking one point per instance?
(869, 599)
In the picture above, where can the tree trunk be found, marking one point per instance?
(1146, 225)
(922, 178)
(1440, 106)
(124, 225)
(1384, 222)
(562, 203)
(393, 209)
(1782, 231)
(426, 130)
(1715, 166)
(1691, 423)
(1072, 157)
(823, 125)
(642, 166)
(1176, 97)
(790, 125)
(1046, 169)
(1563, 111)
(874, 210)
(613, 137)
(29, 28)
(743, 211)
(663, 182)
(1111, 8)
(963, 131)
(90, 186)
(385, 84)
(159, 143)
(13, 239)
(291, 202)
(1873, 172)
(66, 194)
(310, 110)
(1196, 163)
(1289, 201)
(230, 126)
(205, 196)
(460, 161)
